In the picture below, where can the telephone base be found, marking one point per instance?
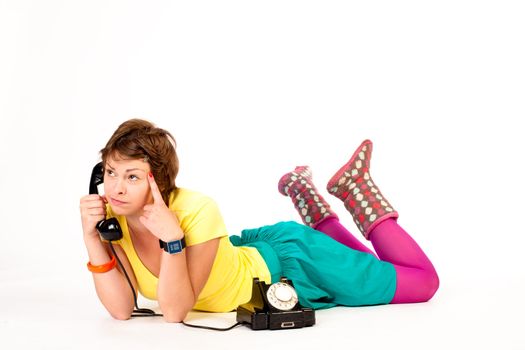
(276, 320)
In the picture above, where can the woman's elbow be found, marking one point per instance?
(174, 317)
(175, 312)
(121, 316)
(119, 311)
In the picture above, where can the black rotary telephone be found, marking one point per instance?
(108, 229)
(275, 306)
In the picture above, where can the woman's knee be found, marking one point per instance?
(415, 285)
(431, 285)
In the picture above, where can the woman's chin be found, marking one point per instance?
(120, 211)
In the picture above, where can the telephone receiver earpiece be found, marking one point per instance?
(97, 178)
(108, 229)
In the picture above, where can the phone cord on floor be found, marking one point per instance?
(140, 312)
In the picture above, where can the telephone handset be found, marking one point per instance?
(274, 306)
(108, 229)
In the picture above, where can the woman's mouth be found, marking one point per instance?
(117, 202)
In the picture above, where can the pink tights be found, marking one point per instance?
(417, 280)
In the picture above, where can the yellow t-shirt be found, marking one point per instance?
(230, 280)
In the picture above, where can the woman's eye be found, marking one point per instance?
(110, 172)
(133, 178)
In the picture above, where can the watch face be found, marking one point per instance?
(174, 247)
(282, 296)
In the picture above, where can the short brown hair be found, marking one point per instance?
(140, 139)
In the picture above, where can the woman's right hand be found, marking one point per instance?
(92, 210)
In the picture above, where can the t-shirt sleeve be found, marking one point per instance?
(202, 222)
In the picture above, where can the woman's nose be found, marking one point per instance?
(120, 186)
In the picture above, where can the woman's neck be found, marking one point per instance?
(137, 230)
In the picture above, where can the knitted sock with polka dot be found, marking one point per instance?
(361, 197)
(311, 206)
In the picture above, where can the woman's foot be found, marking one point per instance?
(353, 185)
(311, 206)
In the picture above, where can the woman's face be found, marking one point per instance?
(126, 185)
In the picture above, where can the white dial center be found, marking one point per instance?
(283, 294)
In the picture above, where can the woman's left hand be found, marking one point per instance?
(158, 218)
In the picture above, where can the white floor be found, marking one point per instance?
(43, 313)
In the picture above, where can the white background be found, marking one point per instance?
(250, 89)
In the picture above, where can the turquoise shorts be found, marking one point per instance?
(325, 273)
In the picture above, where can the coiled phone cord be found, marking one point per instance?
(142, 312)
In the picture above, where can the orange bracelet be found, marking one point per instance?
(102, 268)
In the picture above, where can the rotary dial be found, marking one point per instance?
(282, 296)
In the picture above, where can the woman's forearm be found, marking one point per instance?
(174, 291)
(112, 287)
